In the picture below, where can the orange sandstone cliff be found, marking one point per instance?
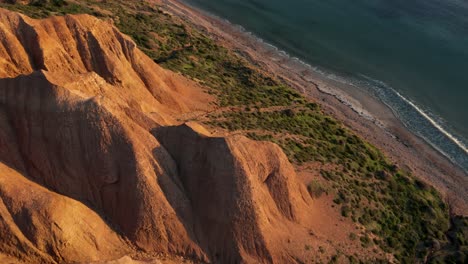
(94, 165)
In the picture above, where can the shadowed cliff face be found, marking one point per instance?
(240, 191)
(93, 165)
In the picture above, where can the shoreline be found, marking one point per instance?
(364, 114)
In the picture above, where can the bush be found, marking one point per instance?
(345, 211)
(316, 189)
(59, 3)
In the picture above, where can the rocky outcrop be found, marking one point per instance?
(240, 192)
(94, 166)
(38, 225)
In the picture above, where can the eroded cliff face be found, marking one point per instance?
(241, 192)
(94, 165)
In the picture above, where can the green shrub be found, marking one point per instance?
(316, 189)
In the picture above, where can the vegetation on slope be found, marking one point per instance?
(401, 215)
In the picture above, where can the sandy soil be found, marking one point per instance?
(363, 114)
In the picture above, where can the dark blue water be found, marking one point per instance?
(411, 54)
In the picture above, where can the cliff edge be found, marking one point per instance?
(94, 165)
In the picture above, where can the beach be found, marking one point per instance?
(356, 109)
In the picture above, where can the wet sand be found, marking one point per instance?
(365, 115)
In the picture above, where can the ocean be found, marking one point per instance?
(411, 55)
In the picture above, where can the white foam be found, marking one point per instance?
(435, 124)
(431, 120)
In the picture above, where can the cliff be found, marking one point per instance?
(95, 166)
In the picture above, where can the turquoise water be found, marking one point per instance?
(412, 55)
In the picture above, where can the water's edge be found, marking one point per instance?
(419, 122)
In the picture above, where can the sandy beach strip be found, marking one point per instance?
(365, 115)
